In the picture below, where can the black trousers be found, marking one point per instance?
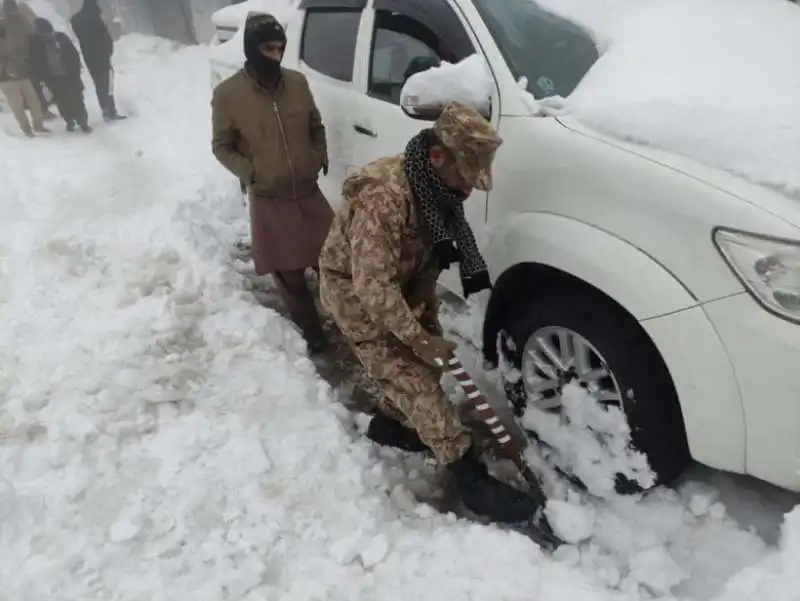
(39, 87)
(68, 95)
(101, 76)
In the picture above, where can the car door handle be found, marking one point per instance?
(365, 131)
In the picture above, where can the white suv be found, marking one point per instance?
(669, 287)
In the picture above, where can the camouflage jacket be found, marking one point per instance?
(378, 256)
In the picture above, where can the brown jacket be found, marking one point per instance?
(15, 48)
(273, 142)
(377, 274)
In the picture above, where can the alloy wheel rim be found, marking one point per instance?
(555, 356)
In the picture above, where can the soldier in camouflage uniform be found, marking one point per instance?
(400, 224)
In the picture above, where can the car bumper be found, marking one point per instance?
(706, 384)
(765, 353)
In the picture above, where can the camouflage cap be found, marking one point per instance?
(472, 140)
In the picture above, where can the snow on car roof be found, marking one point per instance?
(717, 81)
(234, 16)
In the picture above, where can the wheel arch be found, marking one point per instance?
(533, 249)
(538, 250)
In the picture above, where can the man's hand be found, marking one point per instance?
(433, 350)
(325, 166)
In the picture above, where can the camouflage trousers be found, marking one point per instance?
(411, 390)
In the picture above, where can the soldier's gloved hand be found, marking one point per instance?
(325, 166)
(433, 350)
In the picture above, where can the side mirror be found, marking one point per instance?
(414, 109)
(430, 112)
(425, 93)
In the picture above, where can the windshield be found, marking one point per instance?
(552, 53)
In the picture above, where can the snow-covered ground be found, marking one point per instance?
(163, 436)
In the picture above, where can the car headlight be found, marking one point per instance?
(768, 267)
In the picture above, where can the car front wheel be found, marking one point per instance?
(569, 344)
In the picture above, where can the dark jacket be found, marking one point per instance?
(274, 141)
(94, 38)
(43, 69)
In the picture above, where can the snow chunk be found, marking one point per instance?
(124, 529)
(375, 551)
(573, 523)
(656, 570)
(468, 81)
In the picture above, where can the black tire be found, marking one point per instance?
(655, 418)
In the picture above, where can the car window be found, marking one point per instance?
(411, 36)
(329, 41)
(551, 52)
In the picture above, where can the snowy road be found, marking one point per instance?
(118, 296)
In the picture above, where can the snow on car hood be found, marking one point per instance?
(717, 81)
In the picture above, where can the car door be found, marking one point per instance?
(329, 59)
(395, 33)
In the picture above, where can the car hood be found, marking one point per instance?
(772, 201)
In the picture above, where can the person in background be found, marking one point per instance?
(55, 61)
(268, 132)
(401, 223)
(97, 47)
(15, 72)
(30, 17)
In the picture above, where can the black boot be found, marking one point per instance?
(389, 432)
(487, 496)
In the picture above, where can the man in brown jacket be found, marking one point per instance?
(15, 72)
(400, 224)
(269, 133)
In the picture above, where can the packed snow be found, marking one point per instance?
(717, 81)
(164, 436)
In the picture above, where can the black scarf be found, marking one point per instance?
(442, 211)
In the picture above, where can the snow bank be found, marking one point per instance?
(717, 81)
(468, 81)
